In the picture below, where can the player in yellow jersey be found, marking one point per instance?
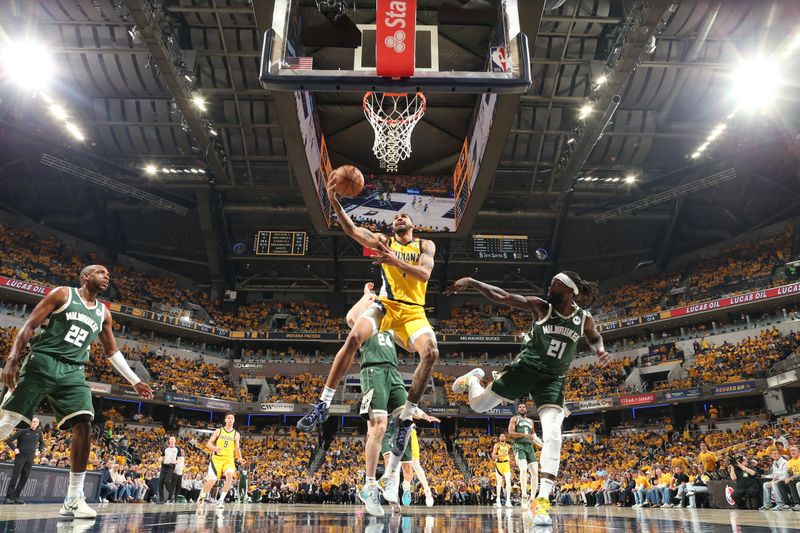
(225, 451)
(500, 455)
(406, 265)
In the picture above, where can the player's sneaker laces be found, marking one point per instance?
(402, 434)
(461, 384)
(370, 495)
(317, 415)
(77, 508)
(540, 509)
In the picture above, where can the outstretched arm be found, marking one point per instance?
(595, 340)
(498, 295)
(116, 358)
(361, 305)
(362, 235)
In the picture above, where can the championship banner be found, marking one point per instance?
(278, 407)
(591, 404)
(339, 409)
(733, 388)
(179, 398)
(637, 399)
(100, 388)
(442, 410)
(683, 394)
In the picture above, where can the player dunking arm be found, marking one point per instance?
(520, 428)
(384, 391)
(541, 367)
(406, 266)
(225, 451)
(54, 369)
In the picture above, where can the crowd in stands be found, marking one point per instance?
(303, 388)
(592, 381)
(745, 266)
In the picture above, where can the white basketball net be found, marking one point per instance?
(393, 117)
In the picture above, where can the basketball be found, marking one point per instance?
(349, 180)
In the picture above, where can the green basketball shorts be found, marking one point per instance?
(525, 453)
(519, 379)
(62, 384)
(383, 390)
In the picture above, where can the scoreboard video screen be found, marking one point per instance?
(507, 247)
(281, 243)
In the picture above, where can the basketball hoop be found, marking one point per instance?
(393, 117)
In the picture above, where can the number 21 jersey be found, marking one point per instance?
(552, 342)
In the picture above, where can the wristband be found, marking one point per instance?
(597, 346)
(118, 362)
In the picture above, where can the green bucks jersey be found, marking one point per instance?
(524, 425)
(70, 330)
(379, 350)
(552, 342)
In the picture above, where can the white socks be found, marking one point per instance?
(545, 487)
(75, 489)
(221, 496)
(369, 480)
(327, 396)
(392, 465)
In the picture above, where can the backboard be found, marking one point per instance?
(471, 47)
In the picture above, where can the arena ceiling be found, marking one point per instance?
(117, 83)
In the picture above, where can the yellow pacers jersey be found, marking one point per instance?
(226, 441)
(397, 286)
(502, 453)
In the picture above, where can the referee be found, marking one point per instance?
(27, 444)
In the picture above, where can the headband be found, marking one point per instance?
(566, 280)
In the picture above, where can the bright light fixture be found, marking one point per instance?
(75, 131)
(585, 111)
(756, 83)
(59, 112)
(212, 132)
(630, 178)
(150, 170)
(28, 63)
(601, 80)
(696, 155)
(199, 102)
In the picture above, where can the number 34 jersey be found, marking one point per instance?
(552, 342)
(70, 330)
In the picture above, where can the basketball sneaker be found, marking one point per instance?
(77, 508)
(429, 499)
(498, 503)
(406, 499)
(370, 496)
(388, 485)
(220, 505)
(317, 415)
(401, 436)
(540, 508)
(461, 384)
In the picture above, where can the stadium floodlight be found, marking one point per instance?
(199, 102)
(601, 80)
(27, 63)
(585, 111)
(756, 82)
(630, 178)
(150, 170)
(75, 131)
(59, 112)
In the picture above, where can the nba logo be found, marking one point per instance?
(499, 61)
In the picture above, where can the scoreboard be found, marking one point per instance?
(281, 243)
(507, 247)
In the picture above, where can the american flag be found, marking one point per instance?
(299, 63)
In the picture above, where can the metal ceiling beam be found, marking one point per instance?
(140, 12)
